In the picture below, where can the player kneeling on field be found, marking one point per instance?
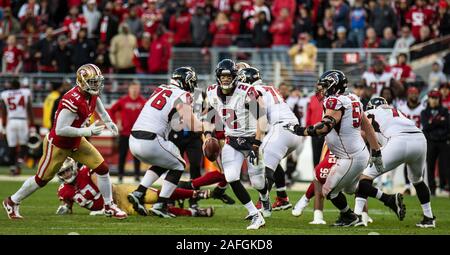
(79, 186)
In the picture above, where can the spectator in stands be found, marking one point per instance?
(341, 14)
(180, 24)
(221, 30)
(62, 56)
(30, 5)
(144, 49)
(436, 127)
(442, 24)
(302, 23)
(129, 108)
(388, 40)
(402, 44)
(199, 25)
(121, 52)
(160, 52)
(279, 5)
(372, 41)
(83, 50)
(261, 35)
(445, 92)
(74, 23)
(12, 56)
(436, 76)
(401, 10)
(388, 94)
(281, 30)
(135, 23)
(313, 115)
(29, 24)
(322, 39)
(43, 51)
(342, 41)
(108, 25)
(29, 62)
(383, 16)
(358, 17)
(419, 16)
(9, 25)
(102, 58)
(303, 54)
(259, 6)
(92, 16)
(328, 22)
(402, 71)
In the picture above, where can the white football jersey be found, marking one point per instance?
(391, 122)
(345, 139)
(234, 112)
(16, 101)
(412, 113)
(277, 109)
(376, 81)
(159, 111)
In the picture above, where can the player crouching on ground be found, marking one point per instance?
(79, 186)
(67, 139)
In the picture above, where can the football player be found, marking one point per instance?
(405, 144)
(278, 142)
(378, 77)
(168, 106)
(341, 124)
(79, 186)
(67, 138)
(237, 104)
(15, 104)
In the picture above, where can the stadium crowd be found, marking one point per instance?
(58, 36)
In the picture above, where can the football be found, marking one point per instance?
(211, 149)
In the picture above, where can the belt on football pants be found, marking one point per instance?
(144, 135)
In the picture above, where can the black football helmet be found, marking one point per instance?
(226, 67)
(331, 83)
(375, 102)
(185, 78)
(249, 75)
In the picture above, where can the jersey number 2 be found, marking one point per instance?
(159, 100)
(356, 114)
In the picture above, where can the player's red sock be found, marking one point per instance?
(222, 184)
(179, 211)
(310, 192)
(182, 194)
(208, 179)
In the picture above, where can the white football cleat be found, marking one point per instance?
(300, 206)
(257, 221)
(97, 213)
(112, 210)
(12, 209)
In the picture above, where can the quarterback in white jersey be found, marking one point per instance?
(342, 123)
(237, 104)
(17, 112)
(405, 144)
(168, 106)
(378, 78)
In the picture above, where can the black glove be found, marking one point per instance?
(253, 156)
(295, 129)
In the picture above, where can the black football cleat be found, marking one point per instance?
(395, 202)
(219, 193)
(162, 210)
(346, 219)
(205, 212)
(137, 200)
(427, 222)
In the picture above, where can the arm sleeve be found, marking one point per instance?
(64, 125)
(100, 109)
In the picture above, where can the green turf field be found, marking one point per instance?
(39, 211)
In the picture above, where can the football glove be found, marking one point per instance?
(64, 209)
(296, 129)
(112, 127)
(375, 159)
(93, 129)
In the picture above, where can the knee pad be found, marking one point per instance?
(41, 183)
(102, 169)
(258, 181)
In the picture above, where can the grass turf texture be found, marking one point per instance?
(39, 212)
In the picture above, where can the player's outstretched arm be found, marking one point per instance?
(64, 126)
(331, 118)
(100, 109)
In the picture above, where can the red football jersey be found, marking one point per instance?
(82, 191)
(323, 168)
(75, 101)
(73, 26)
(417, 18)
(13, 56)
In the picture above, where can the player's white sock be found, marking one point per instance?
(359, 205)
(167, 189)
(379, 194)
(251, 208)
(150, 177)
(318, 215)
(426, 208)
(28, 188)
(104, 185)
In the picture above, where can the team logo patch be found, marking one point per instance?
(331, 103)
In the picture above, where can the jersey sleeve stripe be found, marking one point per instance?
(69, 107)
(70, 103)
